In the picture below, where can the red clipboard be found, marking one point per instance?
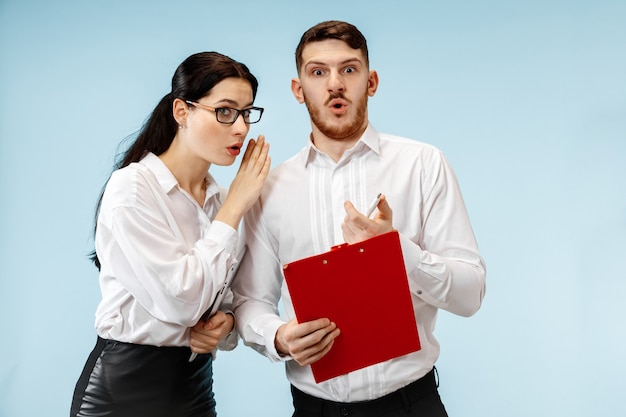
(363, 288)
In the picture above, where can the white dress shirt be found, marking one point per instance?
(300, 214)
(163, 258)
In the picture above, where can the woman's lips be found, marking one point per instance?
(234, 150)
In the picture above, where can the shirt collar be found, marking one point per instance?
(369, 139)
(167, 180)
(164, 176)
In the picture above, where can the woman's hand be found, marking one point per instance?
(206, 335)
(247, 185)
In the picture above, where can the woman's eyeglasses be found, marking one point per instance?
(229, 115)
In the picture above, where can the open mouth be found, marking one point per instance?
(234, 150)
(338, 106)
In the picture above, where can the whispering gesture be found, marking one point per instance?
(248, 183)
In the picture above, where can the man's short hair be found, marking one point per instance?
(333, 29)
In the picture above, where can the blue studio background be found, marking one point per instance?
(526, 98)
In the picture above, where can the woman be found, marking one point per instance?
(166, 238)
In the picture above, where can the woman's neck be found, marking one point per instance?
(191, 176)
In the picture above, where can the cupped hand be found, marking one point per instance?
(247, 185)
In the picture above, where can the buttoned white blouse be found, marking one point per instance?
(163, 258)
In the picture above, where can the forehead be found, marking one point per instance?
(329, 52)
(235, 90)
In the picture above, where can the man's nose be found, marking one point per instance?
(335, 82)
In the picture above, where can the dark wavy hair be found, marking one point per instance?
(332, 29)
(193, 79)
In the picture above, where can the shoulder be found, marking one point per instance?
(288, 171)
(406, 149)
(127, 174)
(292, 163)
(401, 142)
(128, 185)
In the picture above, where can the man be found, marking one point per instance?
(316, 200)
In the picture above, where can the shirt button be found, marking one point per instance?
(344, 411)
(419, 292)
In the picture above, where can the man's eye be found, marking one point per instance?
(349, 70)
(318, 72)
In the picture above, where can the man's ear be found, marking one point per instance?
(296, 89)
(180, 109)
(372, 83)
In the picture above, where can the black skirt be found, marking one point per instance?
(125, 379)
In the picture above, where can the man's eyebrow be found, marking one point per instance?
(344, 62)
(351, 61)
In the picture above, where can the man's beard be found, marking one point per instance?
(344, 131)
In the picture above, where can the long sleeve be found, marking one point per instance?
(445, 268)
(257, 288)
(173, 283)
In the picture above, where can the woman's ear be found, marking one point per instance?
(180, 110)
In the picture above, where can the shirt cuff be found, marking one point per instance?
(224, 235)
(269, 334)
(229, 342)
(411, 252)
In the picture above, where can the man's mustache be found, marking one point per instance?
(334, 96)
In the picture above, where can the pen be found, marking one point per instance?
(373, 205)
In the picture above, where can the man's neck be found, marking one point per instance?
(335, 148)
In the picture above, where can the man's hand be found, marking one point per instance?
(205, 335)
(357, 227)
(306, 342)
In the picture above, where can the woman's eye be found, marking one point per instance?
(225, 111)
